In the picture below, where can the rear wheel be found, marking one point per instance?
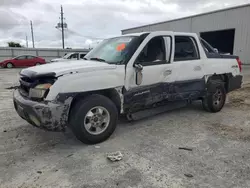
(94, 119)
(9, 65)
(215, 100)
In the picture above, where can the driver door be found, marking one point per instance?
(149, 76)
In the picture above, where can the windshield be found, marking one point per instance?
(112, 51)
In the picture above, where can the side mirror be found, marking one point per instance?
(139, 76)
(216, 50)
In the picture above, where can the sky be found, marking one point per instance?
(89, 21)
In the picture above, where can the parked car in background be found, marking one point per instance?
(70, 56)
(22, 61)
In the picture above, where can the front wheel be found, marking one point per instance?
(94, 119)
(215, 101)
(9, 65)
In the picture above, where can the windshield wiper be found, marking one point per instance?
(97, 59)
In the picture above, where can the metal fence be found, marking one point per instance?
(46, 53)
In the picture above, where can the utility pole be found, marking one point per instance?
(27, 44)
(62, 25)
(32, 34)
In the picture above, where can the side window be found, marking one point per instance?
(153, 53)
(21, 57)
(185, 49)
(30, 57)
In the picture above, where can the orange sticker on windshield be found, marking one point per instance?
(121, 47)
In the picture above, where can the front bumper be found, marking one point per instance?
(52, 116)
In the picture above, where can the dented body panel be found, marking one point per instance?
(51, 115)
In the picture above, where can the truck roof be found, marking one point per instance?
(160, 32)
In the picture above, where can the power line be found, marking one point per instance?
(84, 36)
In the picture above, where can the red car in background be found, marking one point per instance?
(22, 61)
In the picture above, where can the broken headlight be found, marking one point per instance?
(39, 91)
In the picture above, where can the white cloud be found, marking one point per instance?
(90, 20)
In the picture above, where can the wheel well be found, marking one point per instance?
(112, 94)
(224, 77)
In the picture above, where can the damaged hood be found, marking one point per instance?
(67, 67)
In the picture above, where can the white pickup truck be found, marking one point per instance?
(135, 75)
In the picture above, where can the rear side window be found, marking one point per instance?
(185, 49)
(30, 57)
(21, 57)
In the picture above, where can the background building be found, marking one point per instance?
(228, 30)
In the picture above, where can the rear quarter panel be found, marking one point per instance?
(220, 66)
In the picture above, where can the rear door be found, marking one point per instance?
(190, 80)
(31, 60)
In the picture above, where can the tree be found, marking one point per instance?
(14, 44)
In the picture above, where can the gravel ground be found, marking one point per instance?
(219, 144)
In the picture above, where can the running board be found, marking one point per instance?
(157, 110)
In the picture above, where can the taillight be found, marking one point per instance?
(240, 64)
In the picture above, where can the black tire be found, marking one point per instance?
(215, 100)
(37, 64)
(78, 117)
(9, 65)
